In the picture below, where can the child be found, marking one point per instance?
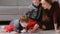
(36, 5)
(22, 24)
(18, 26)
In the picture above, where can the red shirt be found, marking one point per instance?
(31, 23)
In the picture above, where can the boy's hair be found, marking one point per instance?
(24, 18)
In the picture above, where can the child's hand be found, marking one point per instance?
(24, 30)
(30, 31)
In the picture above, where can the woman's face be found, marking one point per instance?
(44, 4)
(36, 2)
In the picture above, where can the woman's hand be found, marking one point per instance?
(58, 31)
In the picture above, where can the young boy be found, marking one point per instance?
(22, 24)
(36, 5)
(18, 25)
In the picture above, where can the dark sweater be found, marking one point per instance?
(52, 17)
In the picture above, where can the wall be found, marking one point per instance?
(10, 9)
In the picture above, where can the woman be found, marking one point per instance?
(49, 15)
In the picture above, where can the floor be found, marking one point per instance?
(41, 32)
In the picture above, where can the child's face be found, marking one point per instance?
(24, 24)
(36, 2)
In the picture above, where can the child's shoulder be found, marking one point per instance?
(15, 20)
(31, 6)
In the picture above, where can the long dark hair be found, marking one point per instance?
(49, 1)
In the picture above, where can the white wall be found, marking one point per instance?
(59, 1)
(11, 12)
(15, 2)
(10, 9)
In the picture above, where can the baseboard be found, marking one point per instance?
(4, 22)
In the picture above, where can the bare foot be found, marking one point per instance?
(3, 31)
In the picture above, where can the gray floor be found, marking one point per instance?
(41, 32)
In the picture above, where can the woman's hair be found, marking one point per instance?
(49, 1)
(39, 0)
(24, 18)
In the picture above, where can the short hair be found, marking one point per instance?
(24, 18)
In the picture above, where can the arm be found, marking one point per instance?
(55, 21)
(56, 9)
(34, 28)
(16, 25)
(55, 26)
